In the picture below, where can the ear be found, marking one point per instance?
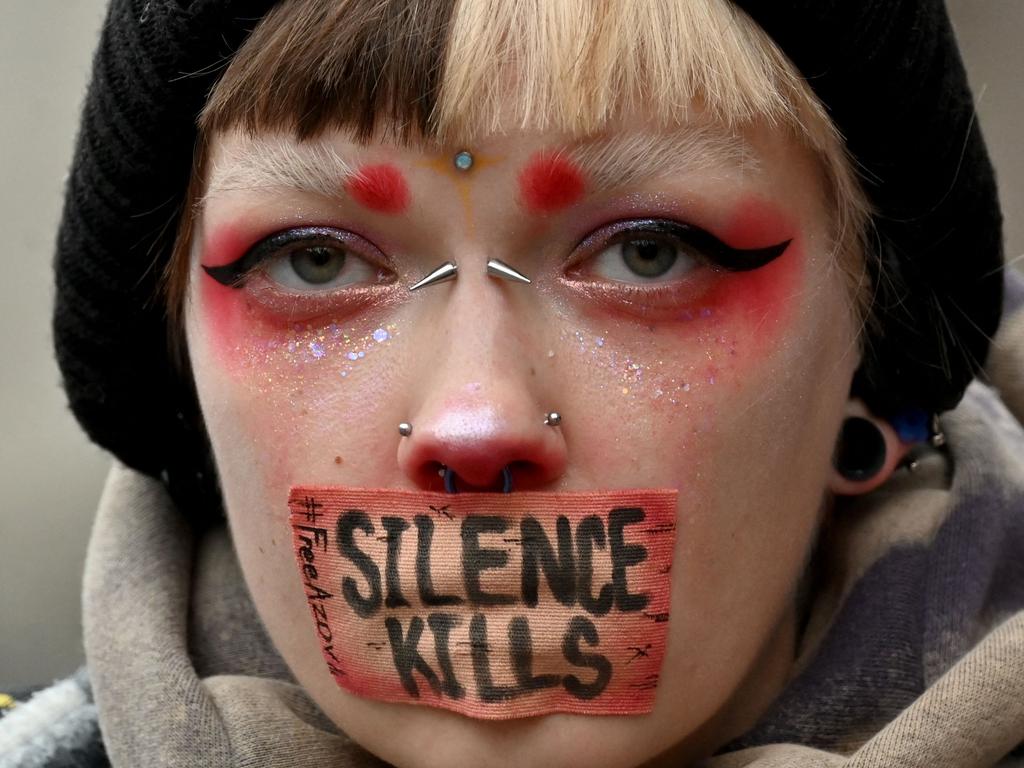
(868, 450)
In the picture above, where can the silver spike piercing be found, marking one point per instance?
(553, 419)
(444, 272)
(405, 429)
(498, 268)
(463, 161)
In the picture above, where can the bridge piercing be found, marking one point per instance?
(498, 268)
(446, 271)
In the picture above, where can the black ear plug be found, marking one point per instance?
(861, 451)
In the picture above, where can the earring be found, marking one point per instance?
(444, 272)
(553, 419)
(498, 268)
(405, 429)
(861, 451)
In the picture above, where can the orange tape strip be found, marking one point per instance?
(495, 606)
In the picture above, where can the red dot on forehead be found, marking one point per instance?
(380, 188)
(549, 183)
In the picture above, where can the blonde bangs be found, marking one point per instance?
(454, 70)
(577, 67)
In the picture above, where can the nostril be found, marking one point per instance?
(477, 444)
(453, 484)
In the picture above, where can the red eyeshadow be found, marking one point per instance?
(225, 245)
(380, 188)
(223, 308)
(756, 223)
(550, 183)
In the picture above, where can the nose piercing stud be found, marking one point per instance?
(498, 268)
(553, 419)
(405, 429)
(444, 272)
(463, 161)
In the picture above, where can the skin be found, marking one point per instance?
(743, 385)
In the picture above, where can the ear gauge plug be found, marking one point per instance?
(861, 450)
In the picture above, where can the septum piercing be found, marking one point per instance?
(498, 268)
(405, 429)
(449, 479)
(441, 274)
(553, 419)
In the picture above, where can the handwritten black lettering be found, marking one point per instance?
(348, 523)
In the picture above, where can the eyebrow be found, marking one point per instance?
(624, 160)
(608, 162)
(261, 164)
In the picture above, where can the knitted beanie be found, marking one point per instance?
(888, 71)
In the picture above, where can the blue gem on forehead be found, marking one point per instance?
(463, 160)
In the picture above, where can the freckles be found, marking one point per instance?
(550, 183)
(381, 188)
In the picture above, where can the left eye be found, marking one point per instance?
(305, 260)
(643, 258)
(318, 266)
(645, 252)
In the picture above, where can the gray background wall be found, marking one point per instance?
(50, 476)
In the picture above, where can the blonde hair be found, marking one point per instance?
(447, 71)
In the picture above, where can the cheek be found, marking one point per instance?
(293, 386)
(719, 340)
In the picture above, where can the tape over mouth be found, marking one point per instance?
(494, 606)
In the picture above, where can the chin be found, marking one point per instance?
(421, 737)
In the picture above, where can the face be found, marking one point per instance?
(686, 318)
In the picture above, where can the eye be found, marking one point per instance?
(305, 260)
(319, 266)
(656, 251)
(644, 258)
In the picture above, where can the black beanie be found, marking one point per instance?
(888, 71)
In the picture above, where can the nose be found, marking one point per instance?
(479, 399)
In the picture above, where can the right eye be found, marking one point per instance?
(305, 260)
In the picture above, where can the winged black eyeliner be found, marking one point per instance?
(725, 256)
(233, 275)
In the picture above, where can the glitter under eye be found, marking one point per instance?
(635, 376)
(305, 345)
